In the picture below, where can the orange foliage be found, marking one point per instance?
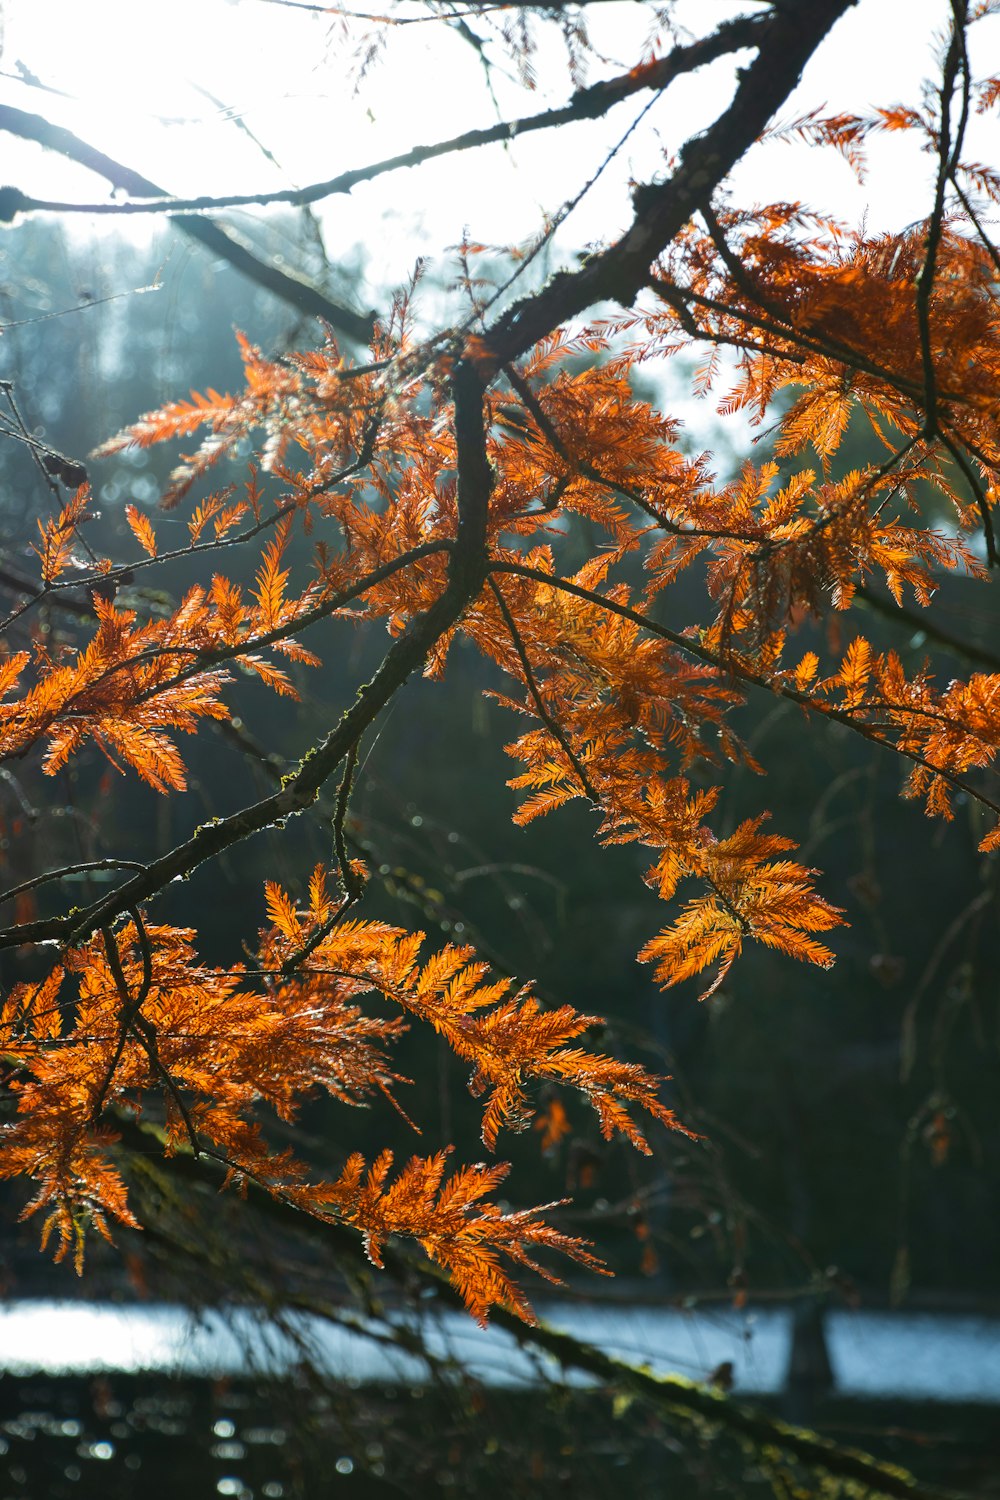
(438, 480)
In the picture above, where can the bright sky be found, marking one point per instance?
(189, 92)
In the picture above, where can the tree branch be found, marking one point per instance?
(898, 614)
(745, 674)
(586, 104)
(676, 1397)
(551, 724)
(224, 242)
(786, 43)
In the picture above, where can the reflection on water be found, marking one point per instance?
(919, 1356)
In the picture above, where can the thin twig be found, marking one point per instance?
(584, 470)
(64, 870)
(127, 571)
(208, 660)
(551, 724)
(979, 494)
(926, 274)
(353, 885)
(130, 1007)
(738, 270)
(734, 667)
(987, 243)
(135, 1024)
(899, 614)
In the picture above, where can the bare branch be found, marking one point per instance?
(224, 242)
(587, 104)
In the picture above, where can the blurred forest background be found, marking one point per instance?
(850, 1150)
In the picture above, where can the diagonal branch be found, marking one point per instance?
(745, 673)
(64, 870)
(587, 104)
(131, 1005)
(898, 614)
(786, 44)
(125, 572)
(206, 660)
(580, 467)
(676, 1398)
(794, 340)
(551, 724)
(221, 241)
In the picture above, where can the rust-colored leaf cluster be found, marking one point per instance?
(133, 1012)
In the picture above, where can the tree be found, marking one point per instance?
(438, 476)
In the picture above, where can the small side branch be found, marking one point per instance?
(898, 614)
(135, 1024)
(130, 1008)
(353, 885)
(744, 673)
(83, 866)
(551, 724)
